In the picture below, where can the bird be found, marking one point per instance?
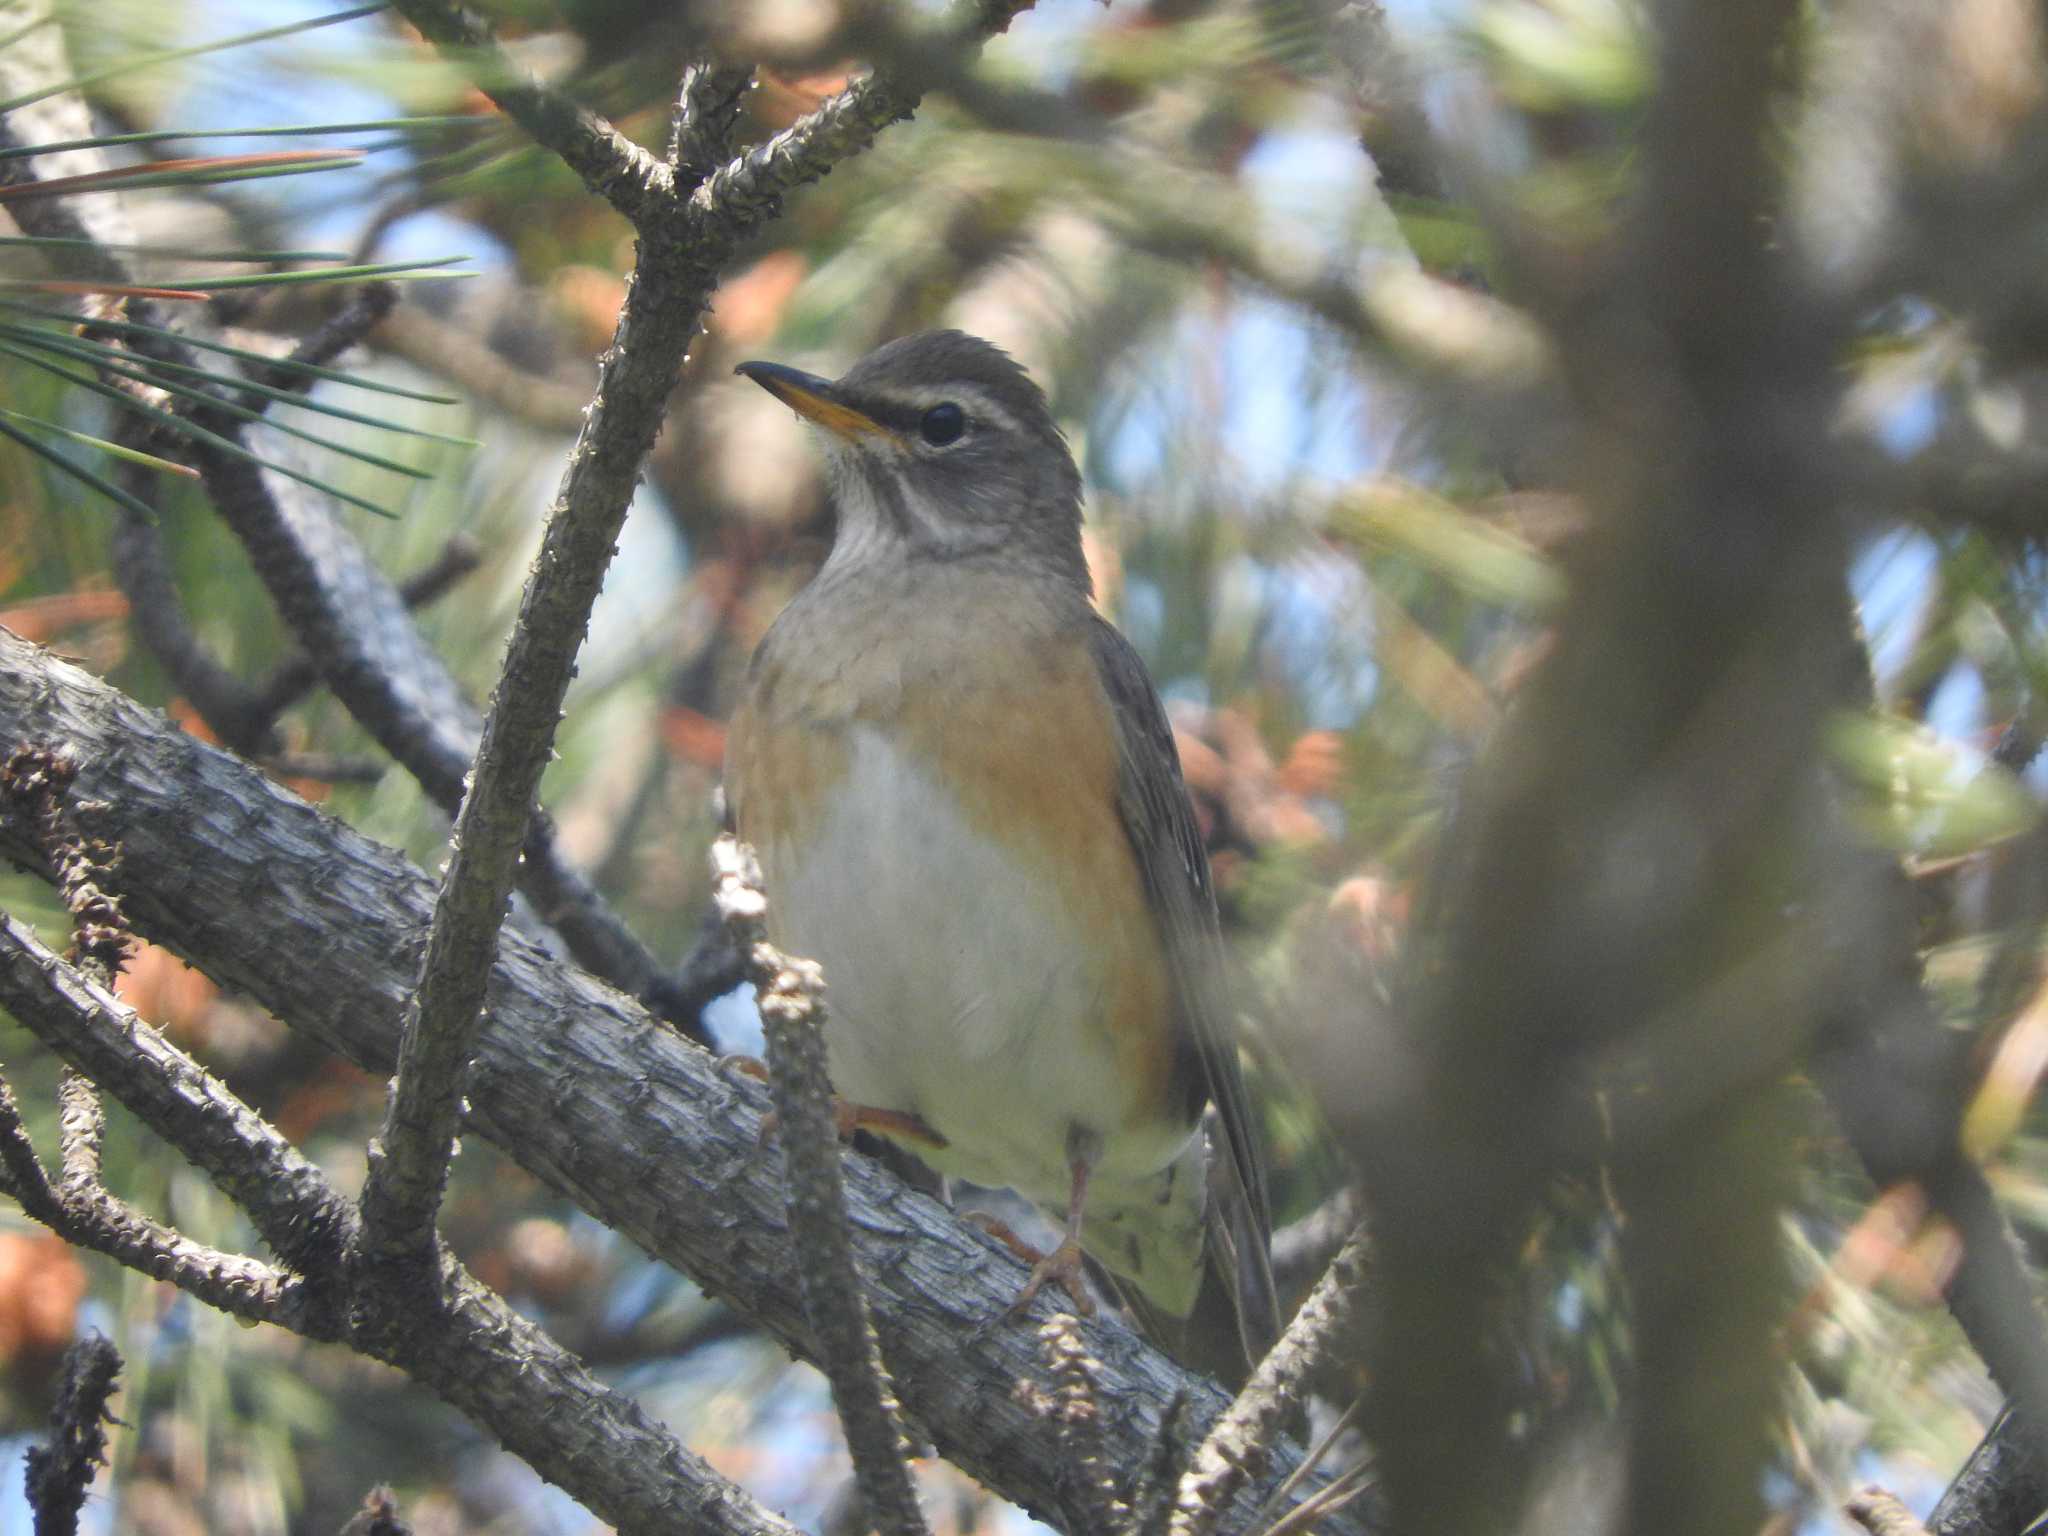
(967, 803)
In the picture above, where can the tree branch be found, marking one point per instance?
(1999, 1490)
(707, 107)
(597, 1099)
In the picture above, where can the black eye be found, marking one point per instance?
(943, 423)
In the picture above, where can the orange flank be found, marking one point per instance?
(1038, 779)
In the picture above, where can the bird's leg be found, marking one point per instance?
(1064, 1262)
(847, 1117)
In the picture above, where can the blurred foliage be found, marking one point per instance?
(1338, 583)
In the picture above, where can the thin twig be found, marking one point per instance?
(750, 188)
(366, 308)
(1881, 1513)
(610, 164)
(790, 993)
(27, 1180)
(89, 1216)
(409, 1163)
(1239, 1442)
(81, 1124)
(707, 107)
(35, 786)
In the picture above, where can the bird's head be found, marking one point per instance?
(940, 446)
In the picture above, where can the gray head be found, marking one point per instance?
(939, 446)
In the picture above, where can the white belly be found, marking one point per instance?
(957, 989)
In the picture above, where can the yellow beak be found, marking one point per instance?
(814, 399)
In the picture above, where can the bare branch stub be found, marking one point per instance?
(1097, 1506)
(707, 107)
(378, 1516)
(35, 784)
(60, 1473)
(1881, 1513)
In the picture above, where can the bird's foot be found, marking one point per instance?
(847, 1117)
(1063, 1265)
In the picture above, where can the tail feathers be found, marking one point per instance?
(1235, 1319)
(1208, 1339)
(1237, 1244)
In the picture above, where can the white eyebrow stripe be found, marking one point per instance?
(976, 402)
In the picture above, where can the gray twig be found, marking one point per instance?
(1881, 1513)
(707, 108)
(611, 165)
(750, 189)
(791, 996)
(1239, 1442)
(61, 1472)
(366, 308)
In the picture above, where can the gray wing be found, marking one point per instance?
(1160, 822)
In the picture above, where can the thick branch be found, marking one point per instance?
(2000, 1490)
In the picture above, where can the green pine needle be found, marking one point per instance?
(389, 271)
(286, 365)
(79, 472)
(283, 131)
(184, 427)
(117, 450)
(172, 55)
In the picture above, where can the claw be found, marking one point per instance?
(1064, 1265)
